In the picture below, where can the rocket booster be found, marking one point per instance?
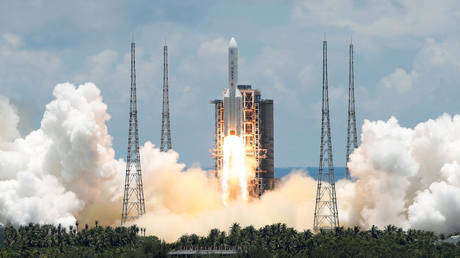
(232, 95)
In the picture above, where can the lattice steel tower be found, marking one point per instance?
(133, 198)
(352, 138)
(326, 214)
(165, 123)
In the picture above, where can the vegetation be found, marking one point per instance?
(36, 240)
(275, 240)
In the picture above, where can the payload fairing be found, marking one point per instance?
(232, 96)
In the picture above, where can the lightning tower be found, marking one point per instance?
(326, 214)
(133, 198)
(165, 123)
(352, 139)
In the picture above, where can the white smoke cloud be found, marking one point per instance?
(66, 170)
(49, 175)
(406, 177)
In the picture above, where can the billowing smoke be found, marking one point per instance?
(53, 173)
(66, 170)
(192, 204)
(405, 177)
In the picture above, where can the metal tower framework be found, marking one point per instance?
(251, 136)
(133, 198)
(352, 138)
(326, 214)
(217, 152)
(165, 122)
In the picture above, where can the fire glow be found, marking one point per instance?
(234, 173)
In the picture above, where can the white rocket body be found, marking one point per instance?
(232, 96)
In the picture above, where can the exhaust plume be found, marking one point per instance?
(66, 170)
(234, 178)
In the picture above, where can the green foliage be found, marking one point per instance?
(50, 241)
(43, 236)
(278, 240)
(275, 240)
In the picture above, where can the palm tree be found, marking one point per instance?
(356, 229)
(374, 231)
(213, 237)
(234, 236)
(339, 231)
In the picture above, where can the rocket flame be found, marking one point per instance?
(234, 172)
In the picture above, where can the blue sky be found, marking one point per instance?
(407, 63)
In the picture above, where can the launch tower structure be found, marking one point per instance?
(243, 113)
(165, 122)
(133, 197)
(326, 215)
(258, 137)
(352, 138)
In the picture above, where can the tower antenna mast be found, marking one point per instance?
(133, 197)
(326, 214)
(352, 138)
(165, 144)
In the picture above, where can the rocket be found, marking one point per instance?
(232, 95)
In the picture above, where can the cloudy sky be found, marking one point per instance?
(407, 63)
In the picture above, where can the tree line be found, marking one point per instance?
(277, 240)
(36, 240)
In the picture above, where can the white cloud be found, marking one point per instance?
(337, 93)
(434, 75)
(270, 69)
(106, 57)
(102, 64)
(208, 60)
(306, 77)
(437, 55)
(31, 70)
(385, 19)
(12, 40)
(399, 80)
(213, 48)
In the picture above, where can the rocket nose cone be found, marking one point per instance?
(232, 43)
